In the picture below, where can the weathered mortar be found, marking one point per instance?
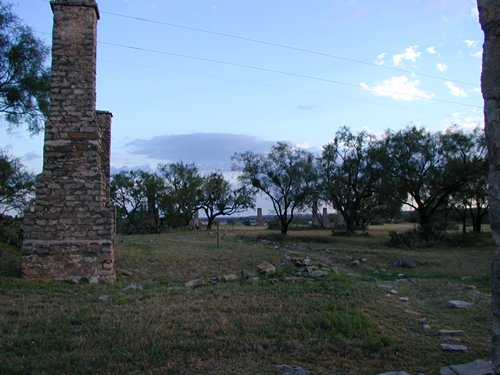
(69, 232)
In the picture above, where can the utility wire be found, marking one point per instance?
(274, 71)
(284, 46)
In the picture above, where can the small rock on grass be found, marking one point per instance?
(477, 367)
(454, 348)
(230, 277)
(394, 373)
(266, 268)
(404, 299)
(104, 298)
(195, 283)
(316, 274)
(132, 286)
(292, 370)
(451, 332)
(457, 304)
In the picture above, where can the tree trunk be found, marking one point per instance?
(210, 222)
(489, 17)
(283, 225)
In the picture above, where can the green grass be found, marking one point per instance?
(340, 324)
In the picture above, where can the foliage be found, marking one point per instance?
(134, 193)
(353, 180)
(470, 200)
(16, 185)
(24, 82)
(286, 175)
(426, 169)
(219, 198)
(11, 230)
(183, 193)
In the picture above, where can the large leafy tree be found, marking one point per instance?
(426, 170)
(220, 198)
(286, 175)
(24, 81)
(354, 181)
(128, 194)
(183, 192)
(468, 153)
(16, 185)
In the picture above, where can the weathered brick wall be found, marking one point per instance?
(69, 232)
(489, 17)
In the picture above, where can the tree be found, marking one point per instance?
(219, 198)
(468, 152)
(183, 192)
(128, 194)
(353, 179)
(286, 175)
(425, 171)
(24, 82)
(16, 185)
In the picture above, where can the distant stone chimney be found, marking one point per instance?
(69, 232)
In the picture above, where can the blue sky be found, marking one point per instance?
(284, 70)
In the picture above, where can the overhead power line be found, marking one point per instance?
(284, 46)
(274, 71)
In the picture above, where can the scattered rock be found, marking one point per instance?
(195, 283)
(477, 367)
(93, 280)
(104, 298)
(317, 274)
(355, 262)
(292, 370)
(405, 263)
(411, 312)
(132, 286)
(297, 259)
(126, 273)
(426, 327)
(364, 260)
(394, 373)
(253, 280)
(393, 291)
(230, 277)
(404, 299)
(75, 281)
(453, 348)
(246, 274)
(450, 332)
(266, 268)
(457, 304)
(213, 279)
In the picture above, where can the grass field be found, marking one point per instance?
(341, 323)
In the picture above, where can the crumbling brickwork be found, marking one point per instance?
(69, 232)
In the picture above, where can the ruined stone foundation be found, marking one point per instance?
(69, 232)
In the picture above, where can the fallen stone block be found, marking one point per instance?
(457, 304)
(477, 367)
(454, 348)
(195, 283)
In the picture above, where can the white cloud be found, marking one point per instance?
(441, 67)
(380, 59)
(471, 43)
(465, 120)
(409, 54)
(455, 90)
(478, 54)
(399, 88)
(431, 50)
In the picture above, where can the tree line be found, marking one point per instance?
(363, 177)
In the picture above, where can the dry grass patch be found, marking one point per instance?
(340, 324)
